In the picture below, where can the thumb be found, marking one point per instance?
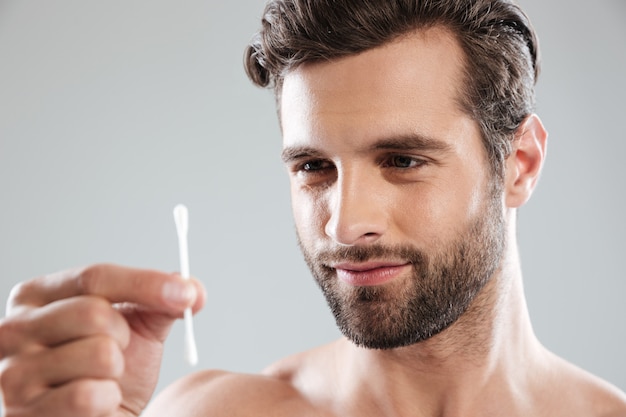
(155, 323)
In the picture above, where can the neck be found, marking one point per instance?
(490, 352)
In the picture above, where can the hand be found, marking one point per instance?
(89, 342)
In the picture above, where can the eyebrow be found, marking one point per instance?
(295, 153)
(407, 142)
(412, 142)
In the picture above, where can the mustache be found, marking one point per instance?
(368, 253)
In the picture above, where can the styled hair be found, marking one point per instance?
(500, 46)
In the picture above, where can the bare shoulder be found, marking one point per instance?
(313, 373)
(606, 399)
(219, 393)
(586, 394)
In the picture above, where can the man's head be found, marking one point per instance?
(501, 50)
(399, 192)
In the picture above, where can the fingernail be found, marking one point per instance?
(179, 293)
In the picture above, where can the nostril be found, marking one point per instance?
(349, 226)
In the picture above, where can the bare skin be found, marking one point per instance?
(88, 342)
(487, 363)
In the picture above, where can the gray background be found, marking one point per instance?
(112, 112)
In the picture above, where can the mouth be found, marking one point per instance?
(369, 273)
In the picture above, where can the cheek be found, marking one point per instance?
(308, 214)
(437, 213)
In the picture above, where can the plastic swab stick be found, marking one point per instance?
(181, 217)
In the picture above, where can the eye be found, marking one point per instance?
(313, 173)
(403, 162)
(311, 169)
(314, 166)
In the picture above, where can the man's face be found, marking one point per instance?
(396, 212)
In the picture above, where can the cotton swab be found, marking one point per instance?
(181, 217)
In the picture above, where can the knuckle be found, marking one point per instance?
(10, 376)
(11, 334)
(97, 313)
(101, 317)
(89, 278)
(86, 398)
(107, 358)
(14, 380)
(20, 293)
(81, 399)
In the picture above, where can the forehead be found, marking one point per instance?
(411, 82)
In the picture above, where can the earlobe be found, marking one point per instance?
(523, 165)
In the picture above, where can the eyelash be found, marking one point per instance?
(388, 161)
(305, 166)
(413, 161)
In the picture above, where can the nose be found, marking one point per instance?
(356, 210)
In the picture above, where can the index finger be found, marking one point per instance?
(115, 283)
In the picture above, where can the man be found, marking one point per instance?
(410, 142)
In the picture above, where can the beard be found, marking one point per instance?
(440, 289)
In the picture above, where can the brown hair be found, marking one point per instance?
(501, 50)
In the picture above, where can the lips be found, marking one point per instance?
(369, 273)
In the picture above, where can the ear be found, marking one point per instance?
(523, 165)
